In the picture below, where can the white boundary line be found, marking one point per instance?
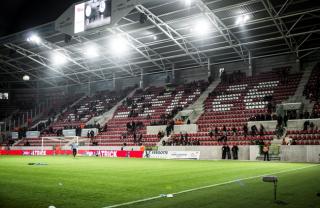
(208, 186)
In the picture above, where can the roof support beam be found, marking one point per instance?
(147, 49)
(185, 45)
(296, 22)
(309, 53)
(284, 7)
(270, 9)
(38, 59)
(220, 26)
(20, 69)
(68, 54)
(113, 62)
(303, 41)
(3, 68)
(132, 42)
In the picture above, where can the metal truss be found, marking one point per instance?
(278, 23)
(8, 70)
(220, 26)
(68, 54)
(146, 51)
(38, 59)
(185, 45)
(149, 60)
(113, 62)
(283, 7)
(18, 66)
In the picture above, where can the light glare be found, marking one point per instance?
(58, 59)
(119, 45)
(91, 52)
(241, 20)
(201, 27)
(187, 3)
(34, 39)
(26, 77)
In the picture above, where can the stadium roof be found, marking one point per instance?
(175, 33)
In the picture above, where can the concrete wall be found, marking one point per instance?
(266, 64)
(296, 153)
(189, 128)
(292, 124)
(300, 153)
(128, 82)
(189, 75)
(208, 152)
(232, 67)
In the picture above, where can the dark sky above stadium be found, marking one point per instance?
(18, 15)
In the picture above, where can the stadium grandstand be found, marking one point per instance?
(179, 102)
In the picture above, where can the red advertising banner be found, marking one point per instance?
(98, 153)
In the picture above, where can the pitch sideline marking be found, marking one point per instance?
(208, 186)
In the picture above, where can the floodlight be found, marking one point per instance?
(26, 77)
(34, 39)
(119, 45)
(58, 59)
(201, 27)
(187, 3)
(241, 20)
(155, 37)
(91, 51)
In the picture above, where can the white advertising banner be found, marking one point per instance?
(194, 155)
(191, 155)
(78, 18)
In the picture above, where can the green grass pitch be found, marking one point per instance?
(90, 182)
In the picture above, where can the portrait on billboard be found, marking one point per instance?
(97, 13)
(92, 14)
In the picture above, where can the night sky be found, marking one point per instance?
(18, 15)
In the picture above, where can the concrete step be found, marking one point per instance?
(165, 138)
(195, 110)
(104, 118)
(298, 96)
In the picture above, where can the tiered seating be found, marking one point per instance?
(308, 137)
(232, 105)
(6, 109)
(312, 92)
(88, 108)
(153, 105)
(233, 139)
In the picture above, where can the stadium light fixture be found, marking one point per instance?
(119, 45)
(34, 39)
(26, 78)
(187, 3)
(202, 27)
(243, 19)
(155, 37)
(58, 59)
(91, 52)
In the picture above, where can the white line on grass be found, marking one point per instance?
(205, 187)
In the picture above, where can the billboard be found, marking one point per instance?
(91, 14)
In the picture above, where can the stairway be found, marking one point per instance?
(195, 110)
(104, 118)
(165, 138)
(298, 96)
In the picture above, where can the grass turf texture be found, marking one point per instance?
(89, 182)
